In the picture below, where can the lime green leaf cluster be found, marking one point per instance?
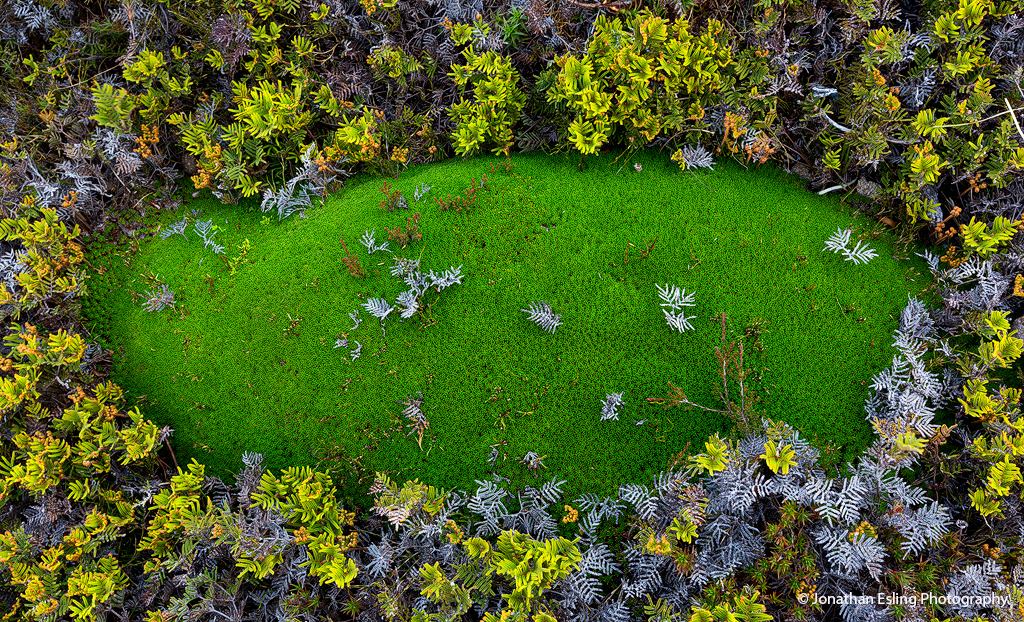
(716, 456)
(114, 106)
(76, 455)
(643, 76)
(490, 104)
(51, 260)
(743, 607)
(270, 111)
(399, 503)
(527, 565)
(999, 447)
(308, 501)
(984, 240)
(780, 457)
(393, 62)
(1001, 346)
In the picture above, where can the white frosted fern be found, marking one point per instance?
(540, 313)
(674, 302)
(611, 406)
(839, 243)
(369, 240)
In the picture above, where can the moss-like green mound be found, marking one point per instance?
(247, 362)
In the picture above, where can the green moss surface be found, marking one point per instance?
(224, 371)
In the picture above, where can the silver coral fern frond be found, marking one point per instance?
(175, 228)
(378, 308)
(540, 313)
(447, 278)
(413, 412)
(678, 322)
(697, 157)
(404, 267)
(674, 302)
(420, 191)
(159, 299)
(861, 253)
(409, 304)
(207, 231)
(839, 243)
(674, 298)
(369, 240)
(611, 406)
(533, 461)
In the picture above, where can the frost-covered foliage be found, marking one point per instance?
(674, 302)
(369, 240)
(158, 299)
(207, 232)
(416, 420)
(178, 227)
(420, 191)
(413, 300)
(378, 308)
(694, 156)
(541, 314)
(839, 243)
(533, 461)
(611, 406)
(293, 197)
